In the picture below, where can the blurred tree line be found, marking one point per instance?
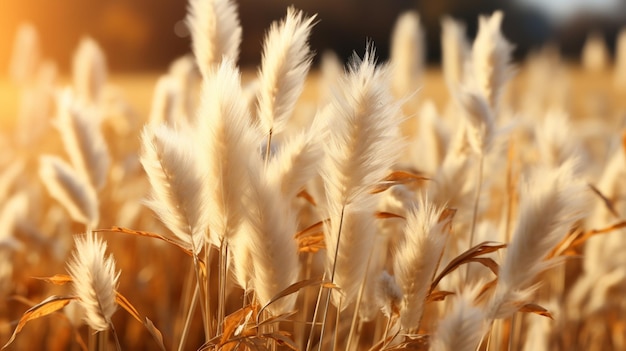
(148, 34)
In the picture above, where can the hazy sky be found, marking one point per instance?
(561, 9)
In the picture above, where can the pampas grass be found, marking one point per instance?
(89, 71)
(216, 32)
(554, 202)
(95, 279)
(74, 192)
(338, 233)
(284, 67)
(175, 177)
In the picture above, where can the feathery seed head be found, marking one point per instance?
(89, 71)
(94, 280)
(215, 32)
(491, 57)
(286, 62)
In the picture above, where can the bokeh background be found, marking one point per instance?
(148, 34)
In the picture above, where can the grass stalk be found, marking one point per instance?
(332, 277)
(221, 307)
(479, 181)
(188, 318)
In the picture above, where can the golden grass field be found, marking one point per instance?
(383, 208)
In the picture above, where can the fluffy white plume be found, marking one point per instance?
(215, 32)
(363, 141)
(454, 51)
(417, 259)
(89, 71)
(284, 67)
(171, 164)
(491, 56)
(462, 328)
(553, 201)
(226, 138)
(82, 139)
(268, 230)
(74, 192)
(296, 162)
(407, 54)
(388, 294)
(95, 280)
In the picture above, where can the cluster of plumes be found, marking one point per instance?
(380, 178)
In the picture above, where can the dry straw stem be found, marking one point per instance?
(89, 71)
(491, 56)
(284, 68)
(416, 260)
(349, 252)
(554, 200)
(74, 192)
(177, 198)
(229, 145)
(407, 54)
(215, 32)
(94, 280)
(82, 139)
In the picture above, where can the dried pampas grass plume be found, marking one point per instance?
(82, 139)
(215, 32)
(74, 192)
(407, 54)
(95, 280)
(491, 57)
(554, 200)
(176, 197)
(284, 67)
(89, 71)
(463, 326)
(228, 141)
(416, 260)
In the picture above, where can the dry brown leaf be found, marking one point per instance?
(570, 244)
(395, 178)
(293, 288)
(44, 308)
(536, 309)
(305, 195)
(233, 321)
(438, 295)
(487, 262)
(607, 202)
(466, 257)
(123, 230)
(156, 334)
(125, 304)
(57, 279)
(311, 238)
(387, 215)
